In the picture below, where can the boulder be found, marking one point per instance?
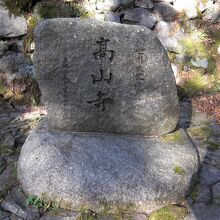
(4, 215)
(200, 62)
(118, 172)
(8, 178)
(163, 28)
(216, 193)
(165, 11)
(104, 5)
(189, 7)
(107, 5)
(3, 164)
(202, 211)
(169, 36)
(144, 4)
(15, 65)
(11, 25)
(112, 17)
(212, 12)
(168, 1)
(3, 47)
(171, 44)
(15, 202)
(140, 16)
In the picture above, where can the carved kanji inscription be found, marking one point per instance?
(101, 101)
(104, 58)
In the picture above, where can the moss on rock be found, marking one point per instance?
(5, 151)
(195, 192)
(212, 146)
(86, 214)
(171, 212)
(200, 132)
(179, 170)
(2, 88)
(175, 137)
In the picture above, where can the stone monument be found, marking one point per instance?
(110, 94)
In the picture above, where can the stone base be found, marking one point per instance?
(99, 171)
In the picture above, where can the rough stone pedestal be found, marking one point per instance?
(114, 171)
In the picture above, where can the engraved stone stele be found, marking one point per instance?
(105, 77)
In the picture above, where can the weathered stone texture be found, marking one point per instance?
(105, 77)
(11, 25)
(92, 170)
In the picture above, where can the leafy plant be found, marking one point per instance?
(35, 201)
(41, 203)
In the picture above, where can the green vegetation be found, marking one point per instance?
(200, 83)
(55, 9)
(169, 213)
(5, 151)
(200, 132)
(19, 7)
(30, 97)
(32, 22)
(14, 167)
(118, 211)
(195, 193)
(41, 203)
(194, 44)
(2, 88)
(28, 40)
(212, 146)
(197, 84)
(201, 41)
(45, 8)
(175, 137)
(86, 214)
(33, 101)
(215, 85)
(179, 170)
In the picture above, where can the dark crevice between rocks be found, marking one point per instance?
(7, 38)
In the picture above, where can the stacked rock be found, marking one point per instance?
(111, 96)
